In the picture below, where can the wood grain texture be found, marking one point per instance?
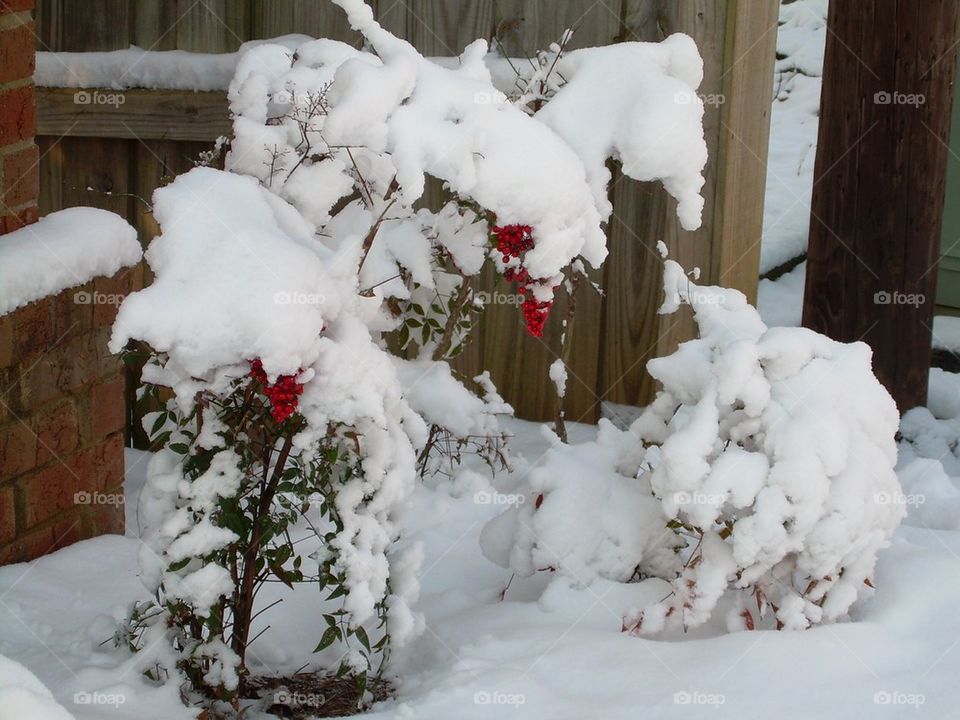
(145, 114)
(744, 139)
(153, 24)
(879, 183)
(272, 18)
(437, 27)
(525, 26)
(212, 25)
(92, 25)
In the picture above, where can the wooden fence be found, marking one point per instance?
(157, 134)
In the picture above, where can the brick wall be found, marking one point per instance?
(19, 166)
(61, 393)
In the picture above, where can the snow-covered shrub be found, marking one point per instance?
(306, 302)
(284, 415)
(765, 463)
(772, 451)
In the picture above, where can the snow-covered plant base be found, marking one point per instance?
(762, 475)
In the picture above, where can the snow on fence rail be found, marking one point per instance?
(122, 143)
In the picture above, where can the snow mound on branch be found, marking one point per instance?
(441, 399)
(580, 516)
(62, 250)
(238, 275)
(408, 117)
(636, 102)
(775, 448)
(24, 697)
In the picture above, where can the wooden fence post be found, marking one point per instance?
(879, 183)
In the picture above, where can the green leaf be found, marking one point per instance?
(362, 637)
(339, 592)
(158, 424)
(330, 635)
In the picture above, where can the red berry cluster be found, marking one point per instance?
(512, 241)
(282, 394)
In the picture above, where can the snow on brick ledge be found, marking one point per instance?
(62, 250)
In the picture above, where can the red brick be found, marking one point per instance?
(17, 52)
(42, 540)
(72, 312)
(57, 433)
(15, 5)
(21, 177)
(108, 463)
(51, 491)
(108, 293)
(108, 517)
(33, 330)
(8, 522)
(18, 449)
(18, 117)
(107, 409)
(66, 368)
(9, 223)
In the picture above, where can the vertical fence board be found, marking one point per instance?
(745, 135)
(272, 18)
(733, 39)
(212, 25)
(66, 26)
(525, 26)
(154, 24)
(437, 27)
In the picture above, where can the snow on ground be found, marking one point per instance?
(793, 131)
(780, 301)
(946, 333)
(544, 647)
(62, 250)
